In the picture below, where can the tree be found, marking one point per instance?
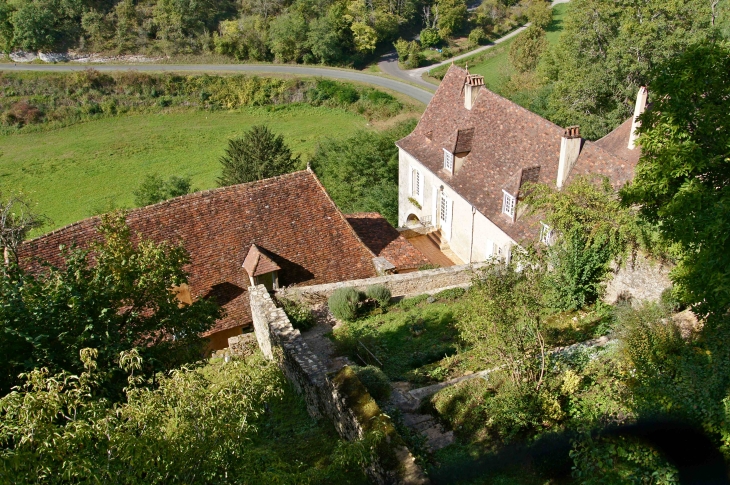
(540, 14)
(590, 229)
(429, 37)
(17, 220)
(288, 36)
(361, 172)
(525, 51)
(154, 189)
(682, 181)
(451, 16)
(257, 155)
(503, 319)
(606, 52)
(116, 296)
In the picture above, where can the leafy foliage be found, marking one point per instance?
(360, 173)
(300, 316)
(154, 189)
(525, 51)
(682, 181)
(257, 155)
(116, 296)
(429, 37)
(376, 382)
(17, 220)
(236, 420)
(344, 302)
(379, 293)
(540, 14)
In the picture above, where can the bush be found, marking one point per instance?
(299, 315)
(375, 380)
(379, 293)
(477, 36)
(430, 37)
(344, 303)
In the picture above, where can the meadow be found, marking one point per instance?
(87, 168)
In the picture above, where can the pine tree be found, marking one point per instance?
(257, 155)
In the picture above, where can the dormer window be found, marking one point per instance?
(261, 268)
(448, 161)
(508, 204)
(546, 234)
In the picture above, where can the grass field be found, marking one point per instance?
(494, 63)
(84, 169)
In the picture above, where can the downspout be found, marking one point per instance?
(471, 244)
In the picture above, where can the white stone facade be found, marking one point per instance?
(469, 233)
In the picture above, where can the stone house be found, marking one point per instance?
(462, 168)
(282, 231)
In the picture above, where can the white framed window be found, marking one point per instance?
(448, 161)
(508, 204)
(416, 185)
(546, 234)
(444, 209)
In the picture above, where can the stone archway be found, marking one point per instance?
(412, 220)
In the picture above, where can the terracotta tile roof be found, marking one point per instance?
(385, 241)
(509, 145)
(257, 262)
(291, 216)
(617, 142)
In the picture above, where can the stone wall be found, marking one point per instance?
(640, 280)
(340, 398)
(408, 284)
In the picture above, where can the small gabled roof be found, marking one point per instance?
(257, 262)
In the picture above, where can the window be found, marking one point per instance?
(490, 249)
(508, 205)
(416, 183)
(444, 209)
(448, 160)
(546, 234)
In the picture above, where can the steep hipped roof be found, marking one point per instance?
(385, 241)
(257, 262)
(291, 216)
(617, 142)
(509, 145)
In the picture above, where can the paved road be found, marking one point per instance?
(398, 86)
(389, 62)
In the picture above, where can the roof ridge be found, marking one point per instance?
(201, 194)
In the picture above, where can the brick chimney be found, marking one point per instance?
(473, 84)
(569, 151)
(638, 109)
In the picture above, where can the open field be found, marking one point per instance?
(494, 63)
(84, 169)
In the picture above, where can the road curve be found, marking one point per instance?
(416, 93)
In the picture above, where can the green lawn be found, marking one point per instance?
(494, 63)
(81, 170)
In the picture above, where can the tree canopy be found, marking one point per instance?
(682, 181)
(116, 296)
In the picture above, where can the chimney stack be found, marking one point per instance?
(473, 84)
(638, 110)
(569, 151)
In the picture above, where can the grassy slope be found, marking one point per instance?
(83, 169)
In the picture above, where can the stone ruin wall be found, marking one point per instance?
(279, 341)
(407, 284)
(639, 280)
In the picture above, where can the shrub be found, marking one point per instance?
(408, 303)
(343, 303)
(477, 36)
(299, 315)
(430, 37)
(379, 293)
(375, 380)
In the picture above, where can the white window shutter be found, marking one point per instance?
(489, 249)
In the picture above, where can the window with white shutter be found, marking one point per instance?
(508, 204)
(448, 161)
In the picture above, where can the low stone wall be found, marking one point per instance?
(408, 284)
(341, 398)
(642, 280)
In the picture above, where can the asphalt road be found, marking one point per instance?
(416, 93)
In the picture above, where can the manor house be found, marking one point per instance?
(463, 167)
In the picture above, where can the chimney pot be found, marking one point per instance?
(639, 108)
(472, 85)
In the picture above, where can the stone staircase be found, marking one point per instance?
(438, 239)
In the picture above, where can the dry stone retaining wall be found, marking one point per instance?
(408, 284)
(644, 280)
(342, 398)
